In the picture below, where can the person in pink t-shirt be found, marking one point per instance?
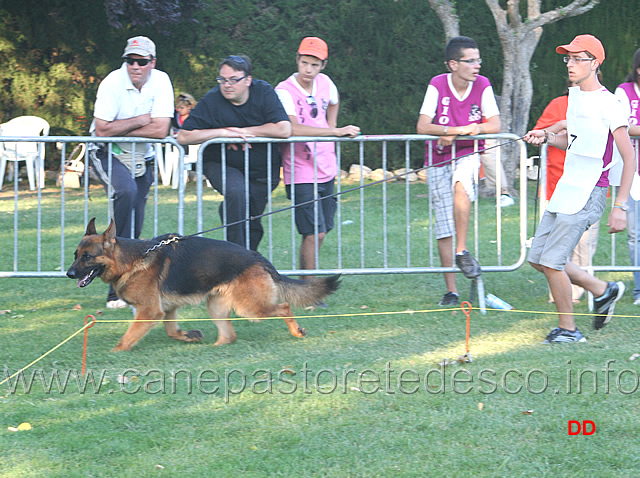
(454, 105)
(311, 101)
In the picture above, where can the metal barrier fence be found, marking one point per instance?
(41, 233)
(382, 228)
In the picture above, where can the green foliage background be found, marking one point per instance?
(382, 52)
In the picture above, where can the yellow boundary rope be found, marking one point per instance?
(359, 314)
(46, 353)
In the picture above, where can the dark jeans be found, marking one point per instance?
(129, 197)
(235, 202)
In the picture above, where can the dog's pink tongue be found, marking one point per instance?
(83, 282)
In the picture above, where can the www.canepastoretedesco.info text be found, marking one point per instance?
(608, 379)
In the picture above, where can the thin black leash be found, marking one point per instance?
(311, 201)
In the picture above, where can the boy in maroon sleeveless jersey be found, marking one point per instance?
(454, 105)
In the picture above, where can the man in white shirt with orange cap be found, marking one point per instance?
(595, 121)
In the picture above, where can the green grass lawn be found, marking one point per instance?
(364, 394)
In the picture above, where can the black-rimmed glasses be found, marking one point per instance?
(139, 61)
(231, 81)
(311, 101)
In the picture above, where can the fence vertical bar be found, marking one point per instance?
(362, 242)
(339, 210)
(385, 250)
(407, 194)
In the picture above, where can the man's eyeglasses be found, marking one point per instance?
(569, 59)
(311, 101)
(231, 81)
(139, 61)
(472, 61)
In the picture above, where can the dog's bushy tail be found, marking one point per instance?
(303, 293)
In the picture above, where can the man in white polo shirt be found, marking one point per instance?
(135, 100)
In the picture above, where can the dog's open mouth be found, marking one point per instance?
(86, 280)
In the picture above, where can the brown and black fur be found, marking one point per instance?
(188, 271)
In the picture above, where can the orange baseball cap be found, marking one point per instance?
(587, 43)
(314, 46)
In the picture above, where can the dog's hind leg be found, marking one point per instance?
(283, 310)
(145, 319)
(218, 310)
(256, 297)
(257, 308)
(174, 331)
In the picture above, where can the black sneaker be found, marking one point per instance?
(559, 335)
(450, 298)
(468, 265)
(606, 303)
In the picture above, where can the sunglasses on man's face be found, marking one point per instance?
(139, 61)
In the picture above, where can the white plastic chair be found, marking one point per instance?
(168, 165)
(189, 160)
(31, 153)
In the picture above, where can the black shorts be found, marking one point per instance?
(305, 215)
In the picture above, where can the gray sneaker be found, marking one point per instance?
(560, 335)
(449, 299)
(606, 303)
(468, 265)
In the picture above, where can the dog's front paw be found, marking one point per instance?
(193, 336)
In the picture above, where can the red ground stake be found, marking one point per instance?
(84, 347)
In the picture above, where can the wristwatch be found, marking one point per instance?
(622, 205)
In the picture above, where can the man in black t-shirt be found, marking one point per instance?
(241, 107)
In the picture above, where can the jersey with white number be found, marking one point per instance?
(592, 116)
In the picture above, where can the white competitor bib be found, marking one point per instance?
(581, 173)
(588, 128)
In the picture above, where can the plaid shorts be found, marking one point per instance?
(441, 183)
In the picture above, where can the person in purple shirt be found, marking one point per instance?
(454, 105)
(629, 95)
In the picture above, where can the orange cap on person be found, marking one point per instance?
(587, 43)
(314, 46)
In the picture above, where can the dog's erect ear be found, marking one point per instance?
(110, 233)
(91, 227)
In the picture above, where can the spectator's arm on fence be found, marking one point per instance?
(143, 126)
(198, 136)
(281, 129)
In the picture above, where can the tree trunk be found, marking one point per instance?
(518, 45)
(447, 14)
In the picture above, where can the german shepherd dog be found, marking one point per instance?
(157, 281)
